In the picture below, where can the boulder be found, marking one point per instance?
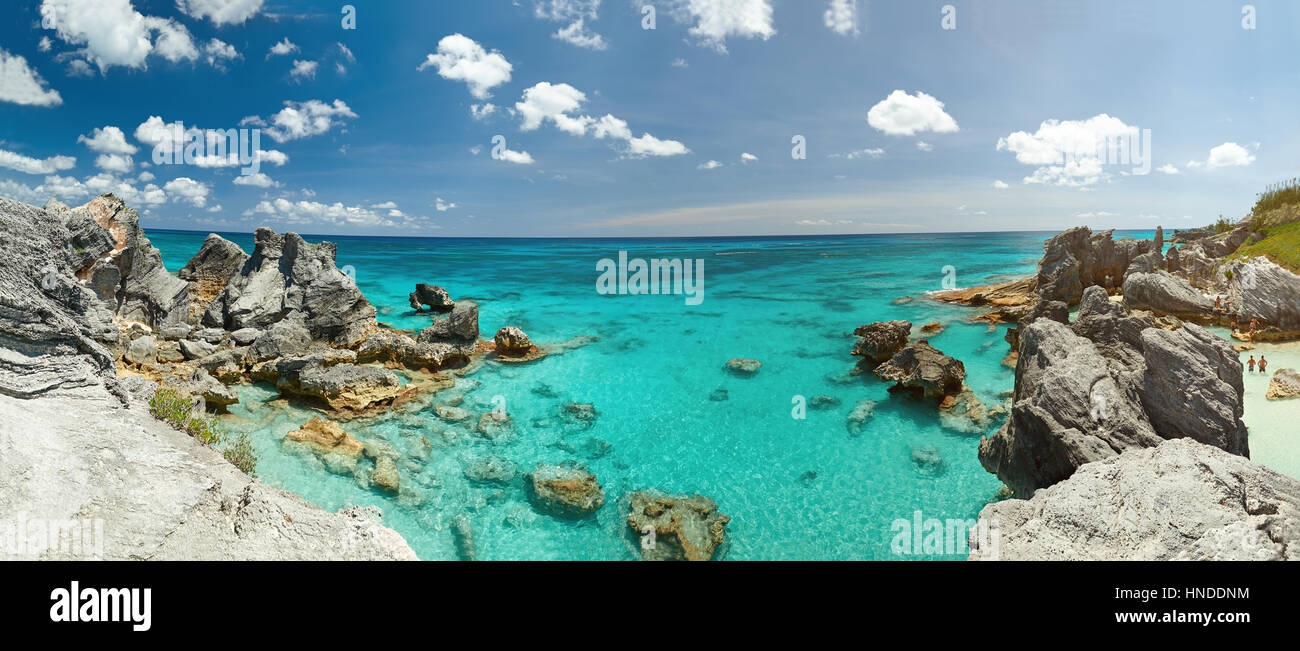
(385, 474)
(924, 369)
(1164, 293)
(512, 341)
(1262, 290)
(142, 350)
(195, 349)
(743, 367)
(283, 339)
(676, 527)
(460, 327)
(208, 272)
(1285, 384)
(1180, 500)
(432, 296)
(398, 349)
(199, 383)
(328, 378)
(1078, 258)
(862, 414)
(565, 491)
(881, 340)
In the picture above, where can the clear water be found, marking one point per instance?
(791, 303)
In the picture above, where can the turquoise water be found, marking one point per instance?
(795, 489)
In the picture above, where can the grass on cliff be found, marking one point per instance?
(1275, 196)
(177, 409)
(1281, 244)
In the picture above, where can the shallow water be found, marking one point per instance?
(795, 489)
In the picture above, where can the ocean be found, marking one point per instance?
(654, 368)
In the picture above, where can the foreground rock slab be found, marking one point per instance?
(1180, 501)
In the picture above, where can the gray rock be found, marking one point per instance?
(463, 535)
(175, 332)
(1193, 388)
(433, 296)
(1181, 500)
(245, 336)
(881, 340)
(1165, 293)
(490, 470)
(1262, 290)
(1078, 258)
(283, 339)
(862, 414)
(142, 350)
(924, 369)
(196, 349)
(217, 261)
(200, 383)
(460, 326)
(212, 336)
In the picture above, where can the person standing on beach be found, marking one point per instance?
(1263, 364)
(1251, 363)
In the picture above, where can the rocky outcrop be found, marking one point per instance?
(460, 328)
(1108, 384)
(393, 348)
(924, 369)
(1079, 258)
(432, 296)
(1260, 289)
(881, 340)
(1164, 293)
(565, 491)
(1181, 500)
(1285, 384)
(217, 261)
(676, 527)
(288, 278)
(330, 378)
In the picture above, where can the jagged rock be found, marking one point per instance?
(1078, 258)
(245, 336)
(217, 261)
(326, 377)
(881, 340)
(1010, 294)
(965, 412)
(390, 347)
(169, 353)
(565, 491)
(213, 336)
(512, 341)
(1165, 293)
(433, 296)
(1078, 400)
(461, 326)
(1181, 500)
(199, 383)
(1260, 289)
(196, 349)
(283, 339)
(336, 448)
(288, 278)
(924, 369)
(676, 527)
(227, 365)
(175, 332)
(743, 367)
(142, 350)
(1285, 384)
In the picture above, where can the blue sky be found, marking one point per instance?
(383, 130)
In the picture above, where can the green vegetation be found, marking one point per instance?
(177, 409)
(1277, 195)
(1281, 244)
(1224, 225)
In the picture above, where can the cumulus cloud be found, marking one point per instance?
(160, 135)
(107, 140)
(112, 33)
(282, 48)
(114, 163)
(747, 158)
(710, 165)
(712, 21)
(305, 119)
(1000, 185)
(482, 111)
(511, 156)
(1070, 152)
(303, 70)
(1229, 154)
(1167, 169)
(924, 146)
(220, 12)
(842, 17)
(559, 104)
(29, 165)
(185, 189)
(443, 206)
(901, 114)
(336, 214)
(576, 13)
(217, 53)
(258, 180)
(459, 58)
(20, 84)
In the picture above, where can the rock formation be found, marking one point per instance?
(217, 261)
(924, 369)
(676, 527)
(565, 491)
(1285, 384)
(432, 296)
(1260, 289)
(1181, 500)
(743, 367)
(1079, 258)
(881, 340)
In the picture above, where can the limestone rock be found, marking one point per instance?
(565, 491)
(1285, 384)
(743, 367)
(881, 340)
(676, 527)
(461, 326)
(924, 369)
(433, 296)
(1165, 293)
(512, 341)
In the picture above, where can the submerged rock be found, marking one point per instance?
(719, 395)
(565, 491)
(326, 439)
(490, 470)
(743, 367)
(928, 462)
(1181, 500)
(861, 415)
(676, 527)
(385, 474)
(924, 369)
(463, 535)
(881, 340)
(1285, 384)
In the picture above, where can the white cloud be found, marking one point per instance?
(112, 33)
(680, 63)
(459, 58)
(559, 103)
(1000, 185)
(218, 53)
(114, 163)
(108, 140)
(45, 44)
(516, 157)
(150, 195)
(842, 17)
(145, 177)
(747, 158)
(303, 70)
(1229, 154)
(576, 13)
(711, 165)
(648, 145)
(157, 134)
(336, 214)
(823, 222)
(258, 180)
(854, 155)
(576, 34)
(901, 114)
(443, 206)
(221, 12)
(715, 20)
(347, 54)
(188, 190)
(282, 48)
(1167, 169)
(482, 111)
(21, 84)
(1067, 153)
(28, 165)
(924, 146)
(305, 119)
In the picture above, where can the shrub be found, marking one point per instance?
(1276, 196)
(178, 410)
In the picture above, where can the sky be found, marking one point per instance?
(591, 118)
